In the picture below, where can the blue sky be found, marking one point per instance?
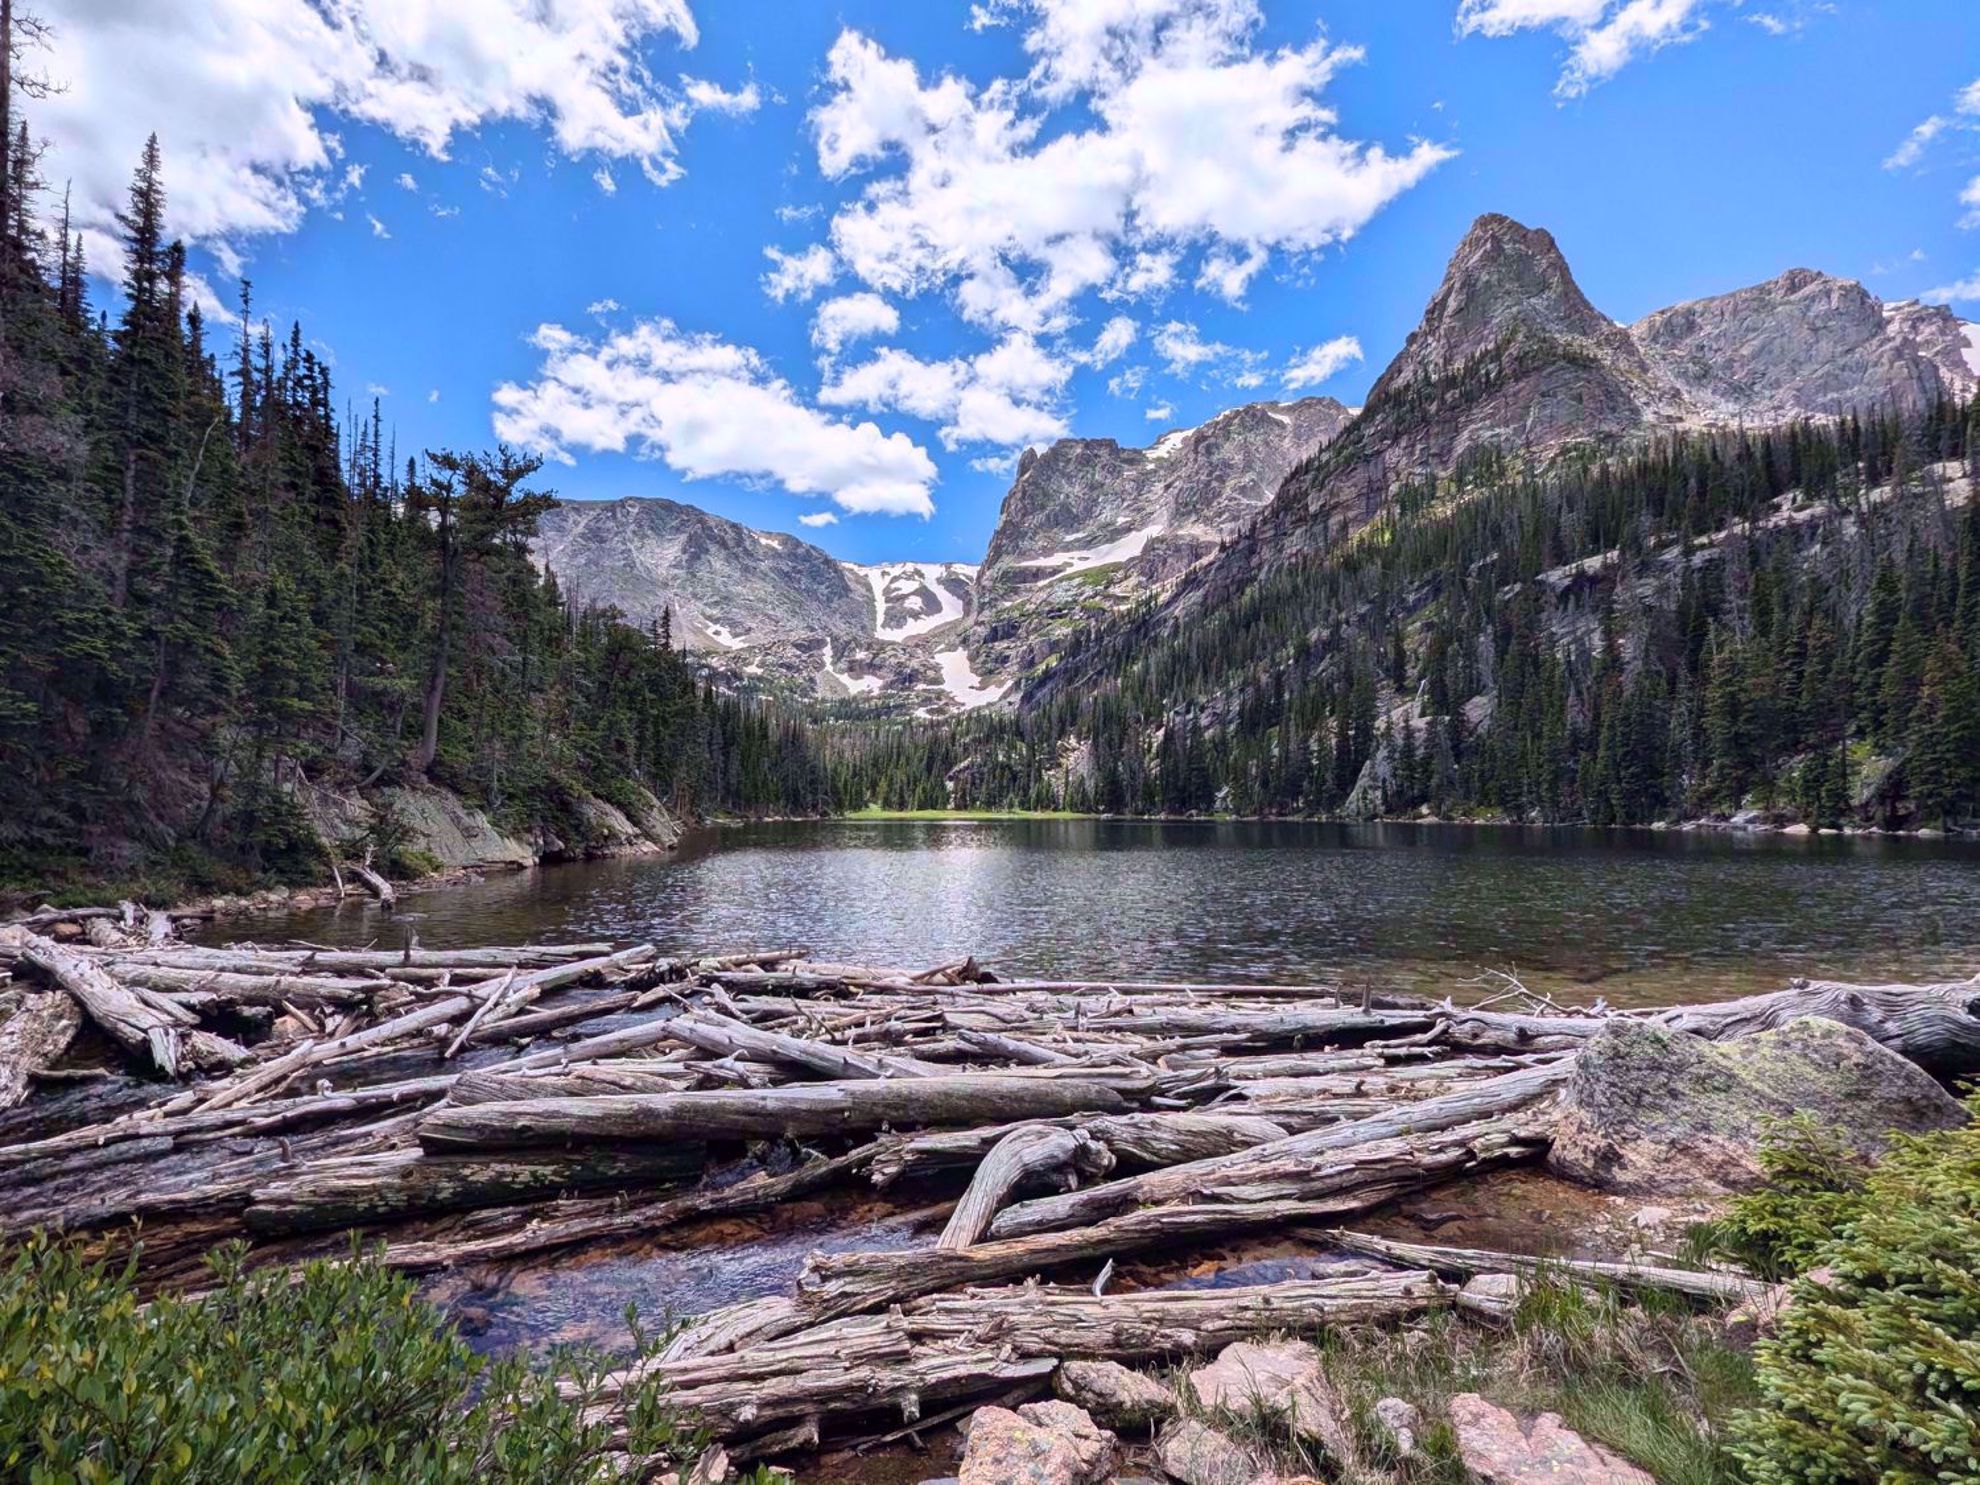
(558, 228)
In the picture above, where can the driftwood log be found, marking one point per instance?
(32, 1039)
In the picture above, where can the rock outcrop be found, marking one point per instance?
(1114, 1394)
(1046, 1443)
(1498, 1449)
(1286, 1379)
(1655, 1112)
(1197, 1454)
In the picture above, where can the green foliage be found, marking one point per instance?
(333, 1372)
(1814, 1186)
(1873, 1377)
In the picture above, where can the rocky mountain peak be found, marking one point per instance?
(1506, 284)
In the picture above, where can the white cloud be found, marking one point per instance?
(602, 178)
(1965, 291)
(1323, 361)
(819, 518)
(244, 94)
(601, 306)
(1006, 396)
(1970, 199)
(433, 395)
(798, 275)
(354, 176)
(1127, 382)
(709, 97)
(1912, 150)
(708, 409)
(1115, 337)
(378, 228)
(1228, 274)
(1186, 137)
(852, 317)
(1603, 36)
(1161, 412)
(1184, 350)
(378, 389)
(406, 182)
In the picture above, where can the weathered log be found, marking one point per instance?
(252, 960)
(1626, 1274)
(1351, 1180)
(383, 890)
(493, 1085)
(725, 1037)
(1026, 1152)
(142, 1021)
(37, 1034)
(1279, 1168)
(1141, 1140)
(1935, 1026)
(362, 1190)
(499, 1235)
(762, 1113)
(243, 989)
(963, 1344)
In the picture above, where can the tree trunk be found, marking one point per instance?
(31, 1039)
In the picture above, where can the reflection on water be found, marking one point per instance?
(1634, 916)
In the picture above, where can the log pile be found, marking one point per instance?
(477, 1106)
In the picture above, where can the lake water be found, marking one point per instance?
(1635, 916)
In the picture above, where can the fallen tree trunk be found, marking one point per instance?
(1280, 1168)
(725, 1037)
(1935, 1026)
(31, 1039)
(1696, 1283)
(761, 1113)
(847, 1283)
(143, 1022)
(1142, 1140)
(956, 1345)
(1028, 1151)
(363, 1190)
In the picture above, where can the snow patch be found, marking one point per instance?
(908, 586)
(858, 685)
(1121, 550)
(959, 679)
(721, 635)
(1168, 444)
(1971, 353)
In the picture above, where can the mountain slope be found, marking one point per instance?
(728, 586)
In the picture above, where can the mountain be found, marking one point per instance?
(1091, 526)
(729, 587)
(1512, 361)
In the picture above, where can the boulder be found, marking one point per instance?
(1048, 1443)
(1198, 1455)
(1655, 1112)
(1500, 1450)
(1113, 1394)
(1283, 1377)
(1494, 1296)
(1400, 1423)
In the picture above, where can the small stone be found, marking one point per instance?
(1400, 1422)
(1499, 1450)
(1048, 1443)
(1197, 1455)
(1114, 1394)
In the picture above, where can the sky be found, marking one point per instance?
(828, 268)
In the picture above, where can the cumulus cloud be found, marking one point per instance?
(1005, 396)
(1965, 291)
(798, 275)
(708, 409)
(852, 317)
(1146, 130)
(1161, 412)
(1114, 339)
(819, 518)
(1310, 368)
(245, 94)
(1605, 36)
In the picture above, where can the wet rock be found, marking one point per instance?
(1199, 1455)
(1283, 1377)
(1500, 1450)
(1048, 1443)
(1400, 1423)
(1113, 1394)
(1657, 1112)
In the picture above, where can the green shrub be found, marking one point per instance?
(333, 1372)
(1873, 1377)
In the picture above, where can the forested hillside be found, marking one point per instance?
(222, 592)
(1786, 620)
